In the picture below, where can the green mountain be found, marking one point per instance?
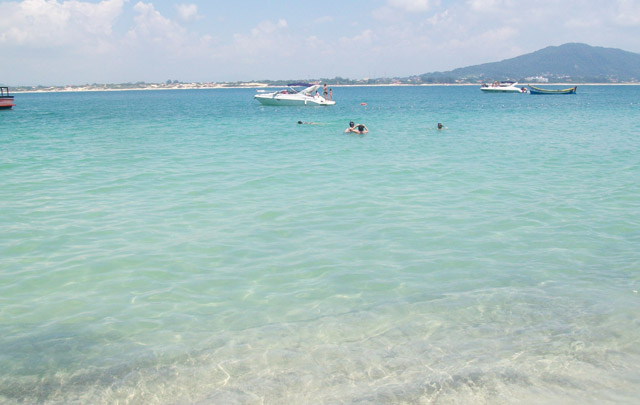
(571, 62)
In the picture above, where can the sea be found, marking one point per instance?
(194, 246)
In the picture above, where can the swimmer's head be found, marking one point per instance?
(351, 124)
(360, 127)
(299, 122)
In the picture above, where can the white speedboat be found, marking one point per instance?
(290, 96)
(503, 87)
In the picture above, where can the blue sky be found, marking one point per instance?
(110, 41)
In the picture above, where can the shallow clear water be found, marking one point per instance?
(195, 246)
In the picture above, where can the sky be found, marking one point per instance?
(58, 42)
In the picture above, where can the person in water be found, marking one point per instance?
(308, 123)
(357, 129)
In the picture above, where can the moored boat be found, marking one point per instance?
(538, 90)
(6, 101)
(503, 87)
(291, 96)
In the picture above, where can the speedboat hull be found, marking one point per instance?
(282, 100)
(501, 90)
(507, 87)
(6, 101)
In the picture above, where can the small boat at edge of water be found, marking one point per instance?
(6, 101)
(538, 90)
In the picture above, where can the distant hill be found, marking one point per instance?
(571, 62)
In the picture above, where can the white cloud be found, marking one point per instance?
(358, 44)
(627, 12)
(484, 5)
(268, 39)
(582, 23)
(268, 27)
(440, 18)
(386, 15)
(411, 5)
(323, 20)
(188, 12)
(44, 23)
(153, 27)
(366, 36)
(497, 35)
(395, 11)
(313, 42)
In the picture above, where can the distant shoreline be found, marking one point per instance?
(206, 86)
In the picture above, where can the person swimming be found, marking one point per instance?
(351, 127)
(357, 129)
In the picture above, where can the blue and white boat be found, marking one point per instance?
(538, 90)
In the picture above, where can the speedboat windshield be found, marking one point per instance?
(288, 90)
(309, 90)
(299, 84)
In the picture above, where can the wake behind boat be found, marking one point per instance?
(538, 90)
(291, 96)
(503, 87)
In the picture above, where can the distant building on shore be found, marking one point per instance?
(537, 79)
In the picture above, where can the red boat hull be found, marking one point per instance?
(6, 102)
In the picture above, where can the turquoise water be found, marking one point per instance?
(195, 246)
